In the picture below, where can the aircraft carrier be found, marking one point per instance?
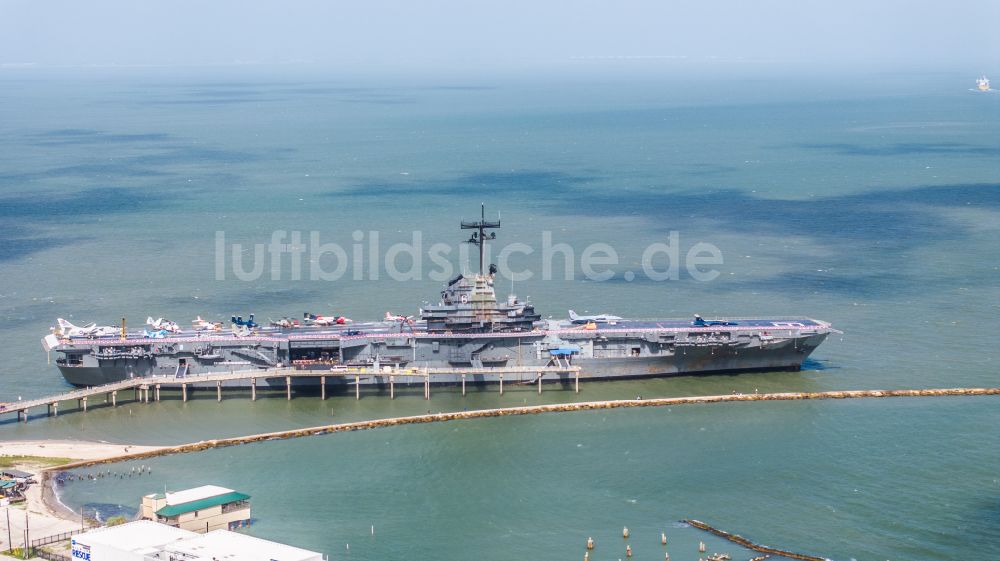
(469, 329)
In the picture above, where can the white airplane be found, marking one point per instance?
(241, 330)
(205, 325)
(389, 316)
(67, 329)
(599, 318)
(311, 319)
(163, 325)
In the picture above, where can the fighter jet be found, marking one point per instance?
(163, 324)
(67, 329)
(312, 319)
(699, 322)
(389, 316)
(158, 334)
(599, 318)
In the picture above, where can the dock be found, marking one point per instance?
(147, 389)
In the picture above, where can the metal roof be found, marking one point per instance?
(191, 506)
(16, 473)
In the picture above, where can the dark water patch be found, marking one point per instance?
(490, 184)
(55, 207)
(882, 227)
(906, 149)
(244, 301)
(380, 100)
(61, 137)
(102, 170)
(15, 247)
(197, 154)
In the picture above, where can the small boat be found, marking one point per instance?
(983, 83)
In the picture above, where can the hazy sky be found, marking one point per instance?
(456, 34)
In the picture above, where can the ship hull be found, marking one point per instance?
(787, 354)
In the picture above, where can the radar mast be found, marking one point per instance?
(479, 237)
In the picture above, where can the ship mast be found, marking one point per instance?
(479, 237)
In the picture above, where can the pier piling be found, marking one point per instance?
(392, 387)
(288, 388)
(184, 393)
(576, 381)
(539, 383)
(501, 384)
(114, 398)
(253, 389)
(218, 391)
(54, 409)
(463, 385)
(322, 387)
(157, 389)
(427, 385)
(357, 386)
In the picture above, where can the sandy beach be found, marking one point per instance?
(42, 511)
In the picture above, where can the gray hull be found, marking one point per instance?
(673, 360)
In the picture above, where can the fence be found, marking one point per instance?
(56, 538)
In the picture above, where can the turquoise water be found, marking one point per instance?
(868, 201)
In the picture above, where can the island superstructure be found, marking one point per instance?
(467, 330)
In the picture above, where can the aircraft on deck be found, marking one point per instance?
(241, 330)
(158, 334)
(700, 322)
(599, 318)
(67, 329)
(163, 324)
(311, 319)
(284, 323)
(389, 316)
(249, 323)
(205, 325)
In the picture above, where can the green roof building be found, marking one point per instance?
(201, 509)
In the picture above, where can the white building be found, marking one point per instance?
(145, 540)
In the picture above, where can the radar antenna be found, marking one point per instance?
(479, 237)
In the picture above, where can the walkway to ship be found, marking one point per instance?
(146, 388)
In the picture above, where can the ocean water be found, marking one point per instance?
(868, 201)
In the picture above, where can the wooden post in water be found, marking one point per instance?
(392, 387)
(253, 389)
(357, 386)
(539, 383)
(322, 387)
(288, 388)
(184, 393)
(427, 384)
(157, 392)
(135, 393)
(114, 398)
(218, 391)
(22, 414)
(463, 384)
(576, 380)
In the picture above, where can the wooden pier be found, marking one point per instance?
(146, 389)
